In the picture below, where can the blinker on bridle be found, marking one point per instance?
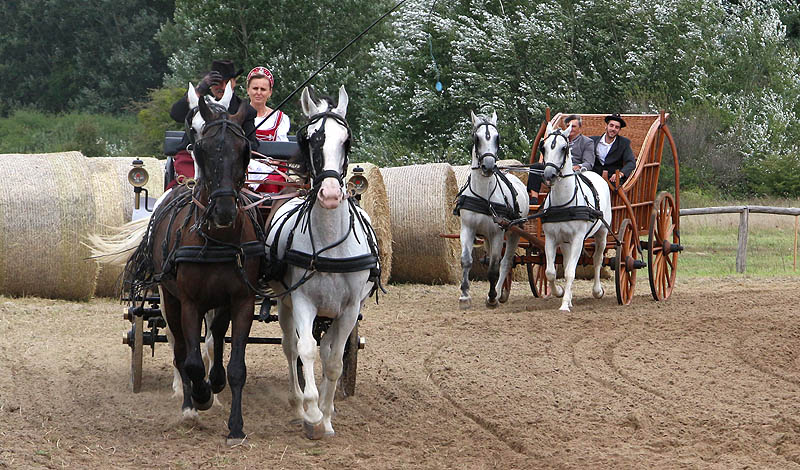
(487, 124)
(317, 140)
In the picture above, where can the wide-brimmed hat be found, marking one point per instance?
(226, 69)
(616, 117)
(261, 72)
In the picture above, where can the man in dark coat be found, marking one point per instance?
(612, 151)
(222, 72)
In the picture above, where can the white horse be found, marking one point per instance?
(568, 189)
(329, 249)
(489, 192)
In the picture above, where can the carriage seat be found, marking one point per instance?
(173, 143)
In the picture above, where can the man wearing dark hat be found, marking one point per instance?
(612, 151)
(222, 72)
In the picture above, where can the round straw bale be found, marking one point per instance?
(375, 202)
(46, 212)
(421, 199)
(114, 201)
(480, 271)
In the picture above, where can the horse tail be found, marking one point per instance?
(115, 248)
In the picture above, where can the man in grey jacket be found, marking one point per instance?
(581, 149)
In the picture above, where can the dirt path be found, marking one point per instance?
(708, 379)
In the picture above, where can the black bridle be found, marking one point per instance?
(557, 133)
(486, 124)
(316, 159)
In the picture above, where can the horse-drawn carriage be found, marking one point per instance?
(638, 211)
(144, 312)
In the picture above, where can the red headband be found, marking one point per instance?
(261, 71)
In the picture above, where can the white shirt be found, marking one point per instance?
(603, 148)
(275, 129)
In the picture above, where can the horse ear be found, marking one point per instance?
(226, 97)
(205, 112)
(341, 107)
(191, 95)
(549, 129)
(474, 118)
(493, 120)
(240, 115)
(308, 105)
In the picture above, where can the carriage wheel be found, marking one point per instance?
(347, 381)
(536, 277)
(625, 272)
(137, 347)
(662, 242)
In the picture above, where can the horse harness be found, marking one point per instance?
(314, 262)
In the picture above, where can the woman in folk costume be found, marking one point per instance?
(275, 129)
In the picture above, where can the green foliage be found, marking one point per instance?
(61, 55)
(153, 119)
(29, 131)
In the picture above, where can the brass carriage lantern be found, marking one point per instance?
(138, 177)
(357, 184)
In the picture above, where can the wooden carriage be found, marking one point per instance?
(642, 220)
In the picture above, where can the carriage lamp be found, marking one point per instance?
(357, 184)
(138, 177)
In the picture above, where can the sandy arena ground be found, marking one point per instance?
(708, 379)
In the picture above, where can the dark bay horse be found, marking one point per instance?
(204, 250)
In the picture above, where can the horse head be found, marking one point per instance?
(485, 142)
(325, 144)
(555, 153)
(221, 153)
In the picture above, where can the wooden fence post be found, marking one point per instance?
(741, 253)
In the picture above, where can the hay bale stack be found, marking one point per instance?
(46, 212)
(114, 200)
(479, 271)
(375, 202)
(421, 199)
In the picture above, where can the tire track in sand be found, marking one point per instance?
(739, 346)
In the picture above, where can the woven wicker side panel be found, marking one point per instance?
(421, 204)
(375, 202)
(480, 271)
(46, 212)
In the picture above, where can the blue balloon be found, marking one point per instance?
(438, 86)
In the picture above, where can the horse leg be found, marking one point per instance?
(600, 238)
(304, 312)
(506, 265)
(571, 252)
(241, 321)
(467, 240)
(289, 345)
(177, 382)
(193, 365)
(494, 246)
(172, 310)
(331, 351)
(550, 271)
(220, 318)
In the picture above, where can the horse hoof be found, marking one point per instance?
(565, 308)
(559, 291)
(491, 303)
(203, 406)
(314, 431)
(600, 294)
(465, 304)
(236, 441)
(189, 414)
(504, 296)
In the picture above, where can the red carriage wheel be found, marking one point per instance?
(347, 381)
(536, 276)
(663, 246)
(627, 252)
(135, 339)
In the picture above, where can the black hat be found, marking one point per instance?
(616, 117)
(226, 69)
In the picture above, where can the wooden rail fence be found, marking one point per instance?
(744, 215)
